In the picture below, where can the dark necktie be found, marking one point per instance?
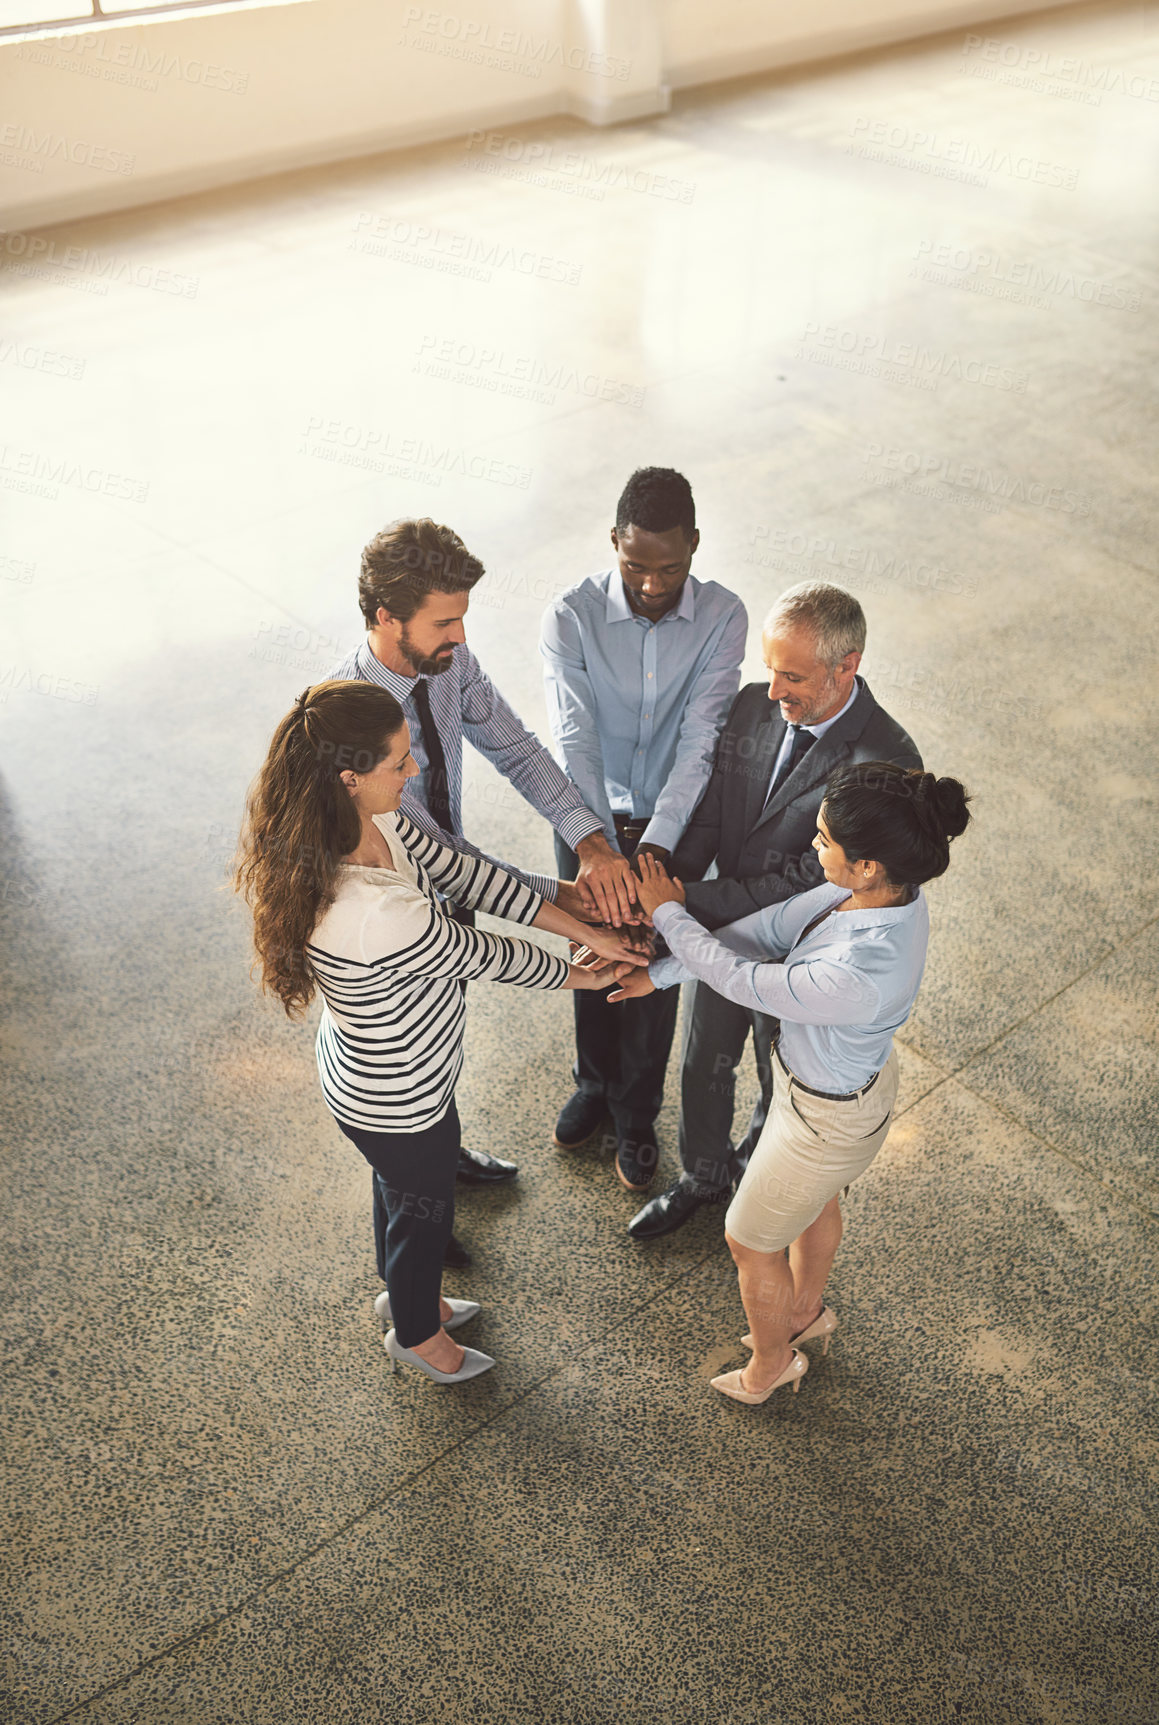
(803, 741)
(437, 789)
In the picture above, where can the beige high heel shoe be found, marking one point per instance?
(729, 1383)
(824, 1325)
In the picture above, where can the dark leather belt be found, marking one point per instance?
(828, 1095)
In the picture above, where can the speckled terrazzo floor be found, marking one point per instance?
(219, 1508)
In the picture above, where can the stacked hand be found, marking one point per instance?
(605, 885)
(655, 886)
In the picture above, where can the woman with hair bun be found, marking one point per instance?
(347, 898)
(840, 966)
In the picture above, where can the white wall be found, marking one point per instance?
(105, 118)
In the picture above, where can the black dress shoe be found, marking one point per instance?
(637, 1158)
(663, 1215)
(456, 1254)
(477, 1169)
(579, 1120)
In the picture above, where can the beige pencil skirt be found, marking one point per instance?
(808, 1152)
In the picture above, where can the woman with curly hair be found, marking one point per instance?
(840, 967)
(346, 896)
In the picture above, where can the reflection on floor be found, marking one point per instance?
(899, 329)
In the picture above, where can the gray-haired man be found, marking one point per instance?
(756, 822)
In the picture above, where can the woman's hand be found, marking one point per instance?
(572, 902)
(593, 976)
(627, 946)
(634, 984)
(655, 886)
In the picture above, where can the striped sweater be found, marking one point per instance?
(389, 957)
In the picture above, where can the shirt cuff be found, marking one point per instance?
(666, 972)
(580, 824)
(662, 916)
(663, 831)
(544, 884)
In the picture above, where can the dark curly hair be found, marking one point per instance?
(901, 817)
(656, 499)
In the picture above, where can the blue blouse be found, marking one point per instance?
(840, 994)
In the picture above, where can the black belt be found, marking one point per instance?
(828, 1095)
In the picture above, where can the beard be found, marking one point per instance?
(819, 705)
(426, 666)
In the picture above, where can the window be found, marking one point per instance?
(48, 14)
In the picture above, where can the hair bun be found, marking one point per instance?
(950, 798)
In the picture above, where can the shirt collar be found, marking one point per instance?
(819, 730)
(883, 915)
(374, 671)
(619, 611)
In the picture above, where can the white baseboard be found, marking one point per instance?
(835, 44)
(211, 176)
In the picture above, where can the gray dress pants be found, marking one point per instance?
(715, 1033)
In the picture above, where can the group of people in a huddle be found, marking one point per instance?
(767, 848)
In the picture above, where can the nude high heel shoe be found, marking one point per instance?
(473, 1362)
(825, 1325)
(462, 1311)
(729, 1383)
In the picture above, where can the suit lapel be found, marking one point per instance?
(768, 745)
(822, 759)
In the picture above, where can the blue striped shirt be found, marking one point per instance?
(465, 703)
(840, 993)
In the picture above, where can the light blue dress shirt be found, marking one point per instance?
(635, 706)
(465, 703)
(840, 995)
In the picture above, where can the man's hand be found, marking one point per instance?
(662, 856)
(606, 880)
(570, 899)
(654, 887)
(632, 984)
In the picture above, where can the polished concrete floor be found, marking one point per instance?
(896, 319)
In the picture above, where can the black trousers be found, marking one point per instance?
(414, 1213)
(621, 1052)
(715, 1033)
(378, 1203)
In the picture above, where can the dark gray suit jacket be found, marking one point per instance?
(766, 854)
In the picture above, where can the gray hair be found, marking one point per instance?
(832, 616)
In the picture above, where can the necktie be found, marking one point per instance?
(438, 791)
(803, 741)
